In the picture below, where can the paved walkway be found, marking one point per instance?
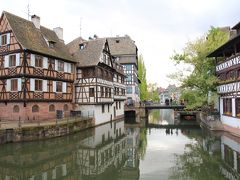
(232, 130)
(16, 125)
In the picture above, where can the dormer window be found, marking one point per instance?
(51, 44)
(82, 46)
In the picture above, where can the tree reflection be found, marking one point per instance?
(196, 164)
(142, 143)
(154, 116)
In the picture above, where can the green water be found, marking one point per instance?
(118, 151)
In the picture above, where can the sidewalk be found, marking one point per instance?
(232, 130)
(17, 125)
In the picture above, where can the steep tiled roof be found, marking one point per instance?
(33, 39)
(90, 54)
(122, 46)
(128, 59)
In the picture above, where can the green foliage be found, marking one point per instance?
(196, 86)
(142, 143)
(142, 76)
(196, 164)
(153, 92)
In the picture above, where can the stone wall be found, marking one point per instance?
(26, 114)
(44, 131)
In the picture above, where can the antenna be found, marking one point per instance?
(28, 11)
(80, 26)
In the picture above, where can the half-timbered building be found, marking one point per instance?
(227, 59)
(36, 70)
(126, 53)
(99, 85)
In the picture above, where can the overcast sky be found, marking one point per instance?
(157, 26)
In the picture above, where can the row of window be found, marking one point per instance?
(229, 158)
(119, 91)
(119, 78)
(230, 75)
(13, 60)
(130, 90)
(36, 85)
(105, 92)
(100, 73)
(227, 106)
(35, 108)
(117, 105)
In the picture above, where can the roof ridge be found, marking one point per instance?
(6, 12)
(29, 21)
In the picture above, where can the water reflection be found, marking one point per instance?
(116, 151)
(98, 153)
(162, 116)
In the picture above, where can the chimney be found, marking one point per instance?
(233, 33)
(36, 21)
(95, 36)
(59, 33)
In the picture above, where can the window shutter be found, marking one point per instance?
(8, 88)
(32, 84)
(70, 68)
(6, 61)
(33, 60)
(64, 87)
(18, 59)
(45, 87)
(65, 67)
(45, 62)
(0, 40)
(56, 65)
(54, 86)
(19, 84)
(8, 38)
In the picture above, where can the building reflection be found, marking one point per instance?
(105, 152)
(230, 153)
(130, 169)
(227, 147)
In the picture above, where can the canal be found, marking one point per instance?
(120, 151)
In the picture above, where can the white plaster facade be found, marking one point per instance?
(229, 120)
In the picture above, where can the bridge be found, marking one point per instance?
(161, 106)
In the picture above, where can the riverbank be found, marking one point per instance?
(213, 123)
(43, 130)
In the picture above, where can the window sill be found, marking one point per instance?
(3, 45)
(228, 115)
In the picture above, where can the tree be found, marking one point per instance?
(201, 80)
(142, 76)
(153, 92)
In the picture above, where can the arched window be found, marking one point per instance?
(65, 107)
(16, 109)
(35, 108)
(51, 108)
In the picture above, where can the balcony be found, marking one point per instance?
(229, 88)
(228, 63)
